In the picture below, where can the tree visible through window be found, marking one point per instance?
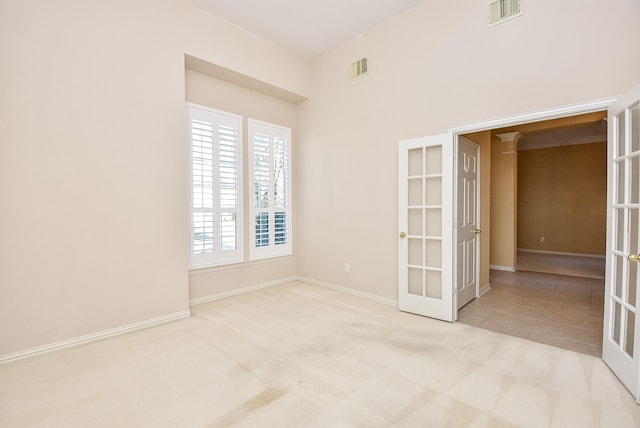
(270, 177)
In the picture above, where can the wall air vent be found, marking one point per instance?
(503, 10)
(358, 68)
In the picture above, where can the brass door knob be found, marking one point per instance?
(476, 231)
(634, 257)
(403, 235)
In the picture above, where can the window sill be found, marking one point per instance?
(208, 269)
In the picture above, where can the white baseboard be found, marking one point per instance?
(560, 253)
(213, 297)
(350, 291)
(94, 337)
(306, 280)
(106, 334)
(484, 289)
(503, 268)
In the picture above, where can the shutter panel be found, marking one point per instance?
(202, 186)
(216, 186)
(269, 175)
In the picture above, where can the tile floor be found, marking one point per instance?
(297, 355)
(559, 310)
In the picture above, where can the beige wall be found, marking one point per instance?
(430, 69)
(562, 195)
(214, 93)
(93, 158)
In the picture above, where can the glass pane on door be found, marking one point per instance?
(415, 222)
(634, 180)
(434, 223)
(620, 192)
(415, 251)
(628, 343)
(415, 192)
(618, 276)
(434, 284)
(433, 191)
(635, 128)
(617, 315)
(621, 133)
(415, 281)
(632, 284)
(619, 227)
(434, 254)
(415, 162)
(434, 160)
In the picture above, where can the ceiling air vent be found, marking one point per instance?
(358, 68)
(503, 10)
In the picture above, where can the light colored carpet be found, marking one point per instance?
(301, 356)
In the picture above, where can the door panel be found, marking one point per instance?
(424, 227)
(467, 222)
(620, 349)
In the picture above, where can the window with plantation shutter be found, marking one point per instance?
(216, 186)
(270, 190)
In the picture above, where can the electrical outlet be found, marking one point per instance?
(347, 268)
(541, 239)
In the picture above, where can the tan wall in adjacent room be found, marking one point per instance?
(504, 200)
(562, 195)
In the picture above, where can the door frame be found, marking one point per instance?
(520, 119)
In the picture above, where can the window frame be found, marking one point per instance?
(271, 249)
(217, 118)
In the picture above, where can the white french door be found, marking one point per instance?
(467, 222)
(425, 224)
(621, 338)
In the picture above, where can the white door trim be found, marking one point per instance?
(521, 119)
(536, 116)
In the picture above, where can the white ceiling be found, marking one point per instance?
(306, 27)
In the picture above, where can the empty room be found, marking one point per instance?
(264, 213)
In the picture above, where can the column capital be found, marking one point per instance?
(508, 137)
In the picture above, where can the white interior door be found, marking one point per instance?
(467, 222)
(425, 224)
(621, 338)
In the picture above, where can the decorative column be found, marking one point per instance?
(504, 201)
